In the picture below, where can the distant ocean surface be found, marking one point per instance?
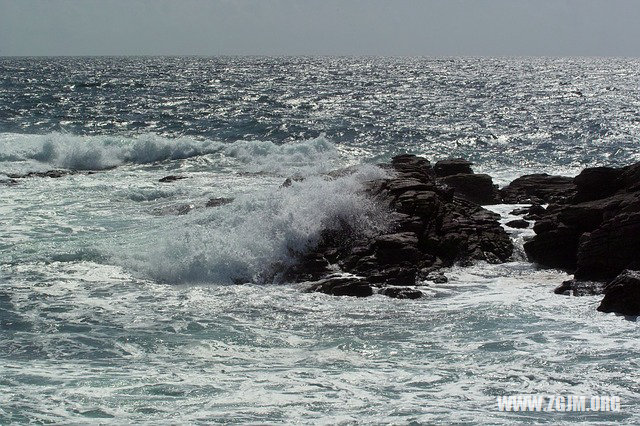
(115, 308)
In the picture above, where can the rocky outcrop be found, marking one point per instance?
(477, 188)
(539, 189)
(518, 224)
(453, 166)
(171, 178)
(622, 295)
(430, 227)
(596, 231)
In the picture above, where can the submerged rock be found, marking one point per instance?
(171, 178)
(220, 201)
(54, 174)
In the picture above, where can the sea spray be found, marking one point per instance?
(241, 241)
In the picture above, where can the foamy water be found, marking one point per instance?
(115, 310)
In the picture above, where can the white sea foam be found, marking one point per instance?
(242, 240)
(104, 152)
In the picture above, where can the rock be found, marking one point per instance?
(518, 224)
(396, 248)
(342, 286)
(428, 229)
(452, 166)
(596, 233)
(437, 278)
(289, 181)
(533, 212)
(613, 247)
(597, 182)
(401, 293)
(539, 189)
(220, 201)
(171, 178)
(177, 210)
(579, 288)
(8, 182)
(622, 295)
(555, 248)
(477, 188)
(54, 174)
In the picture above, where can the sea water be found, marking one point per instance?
(116, 309)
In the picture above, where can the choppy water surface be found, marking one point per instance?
(112, 309)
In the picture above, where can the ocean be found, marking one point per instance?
(127, 300)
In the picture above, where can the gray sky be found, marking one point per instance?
(325, 27)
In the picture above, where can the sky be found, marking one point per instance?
(321, 27)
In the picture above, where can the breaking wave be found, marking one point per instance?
(239, 242)
(104, 152)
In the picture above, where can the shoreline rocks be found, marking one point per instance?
(591, 228)
(432, 225)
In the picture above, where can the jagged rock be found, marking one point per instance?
(401, 292)
(396, 248)
(437, 278)
(539, 189)
(533, 212)
(596, 232)
(611, 248)
(622, 295)
(518, 224)
(171, 178)
(597, 182)
(429, 229)
(54, 174)
(452, 166)
(342, 286)
(579, 288)
(477, 188)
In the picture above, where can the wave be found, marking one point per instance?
(104, 152)
(241, 241)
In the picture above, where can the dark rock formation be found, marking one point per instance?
(539, 189)
(430, 227)
(171, 178)
(579, 288)
(518, 224)
(453, 166)
(477, 188)
(401, 292)
(533, 212)
(596, 231)
(54, 174)
(341, 286)
(622, 295)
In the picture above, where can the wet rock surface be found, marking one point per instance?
(595, 232)
(622, 295)
(430, 227)
(538, 189)
(171, 178)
